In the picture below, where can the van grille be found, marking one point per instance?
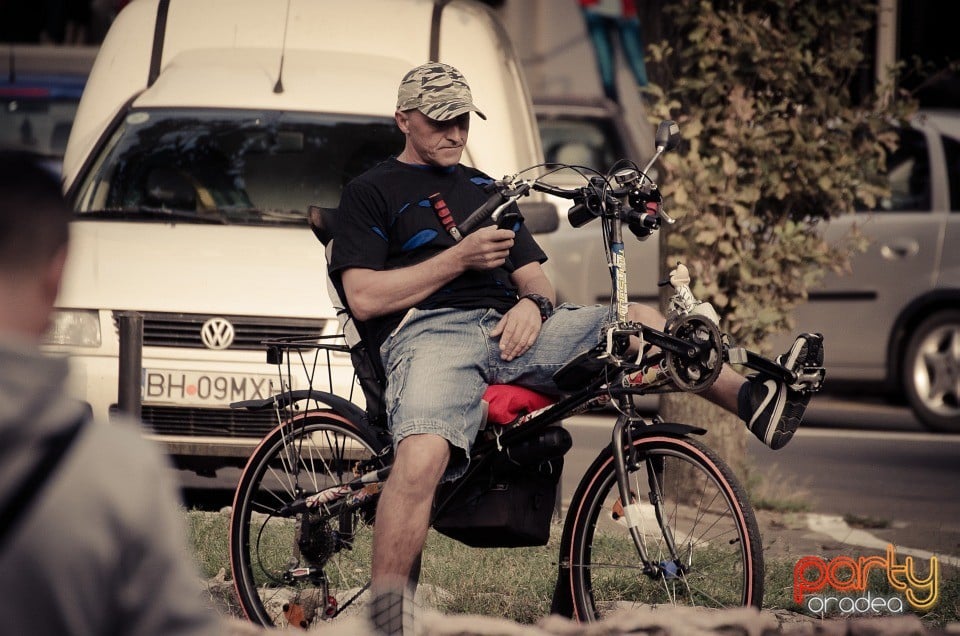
(183, 330)
(200, 422)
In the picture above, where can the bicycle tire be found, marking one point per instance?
(313, 451)
(712, 522)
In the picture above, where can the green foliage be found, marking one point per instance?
(774, 145)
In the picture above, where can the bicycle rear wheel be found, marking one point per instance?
(302, 568)
(718, 561)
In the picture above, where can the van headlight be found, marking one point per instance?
(74, 327)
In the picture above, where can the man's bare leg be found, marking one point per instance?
(771, 410)
(403, 513)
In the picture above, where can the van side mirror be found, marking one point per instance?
(668, 135)
(539, 216)
(668, 138)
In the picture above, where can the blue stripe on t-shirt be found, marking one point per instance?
(420, 238)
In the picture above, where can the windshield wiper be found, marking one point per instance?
(255, 215)
(215, 217)
(288, 216)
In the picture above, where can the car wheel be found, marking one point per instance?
(931, 372)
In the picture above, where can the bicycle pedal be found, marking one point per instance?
(809, 379)
(301, 573)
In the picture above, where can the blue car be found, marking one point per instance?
(40, 88)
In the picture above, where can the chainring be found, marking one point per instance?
(698, 372)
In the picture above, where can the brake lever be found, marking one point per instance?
(506, 218)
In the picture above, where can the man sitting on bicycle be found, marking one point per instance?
(450, 318)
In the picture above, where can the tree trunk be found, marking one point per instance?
(726, 433)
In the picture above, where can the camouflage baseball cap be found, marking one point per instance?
(437, 90)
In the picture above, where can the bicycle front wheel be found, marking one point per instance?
(302, 568)
(716, 559)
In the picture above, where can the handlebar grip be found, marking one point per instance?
(555, 191)
(482, 213)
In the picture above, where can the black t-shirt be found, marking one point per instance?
(386, 221)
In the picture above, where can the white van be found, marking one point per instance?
(205, 131)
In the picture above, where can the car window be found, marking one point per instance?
(232, 166)
(951, 151)
(908, 169)
(580, 141)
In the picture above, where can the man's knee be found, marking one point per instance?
(421, 461)
(646, 315)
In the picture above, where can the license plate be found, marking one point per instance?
(162, 386)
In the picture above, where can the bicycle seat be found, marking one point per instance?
(506, 402)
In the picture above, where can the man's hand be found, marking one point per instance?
(518, 329)
(487, 248)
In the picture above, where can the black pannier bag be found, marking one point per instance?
(508, 505)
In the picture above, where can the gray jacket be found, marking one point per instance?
(103, 548)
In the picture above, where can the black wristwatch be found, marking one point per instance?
(543, 303)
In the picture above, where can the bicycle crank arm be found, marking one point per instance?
(669, 343)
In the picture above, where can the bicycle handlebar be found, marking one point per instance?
(494, 207)
(628, 196)
(484, 212)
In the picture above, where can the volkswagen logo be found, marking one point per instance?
(217, 333)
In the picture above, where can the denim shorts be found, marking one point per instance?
(439, 362)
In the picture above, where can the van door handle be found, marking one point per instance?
(900, 249)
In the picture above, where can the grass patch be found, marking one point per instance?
(778, 584)
(518, 583)
(515, 583)
(947, 609)
(208, 534)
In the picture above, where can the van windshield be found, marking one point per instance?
(237, 167)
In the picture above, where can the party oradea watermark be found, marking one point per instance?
(841, 585)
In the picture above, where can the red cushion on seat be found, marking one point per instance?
(507, 402)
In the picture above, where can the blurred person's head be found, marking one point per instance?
(34, 227)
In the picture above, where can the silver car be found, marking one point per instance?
(892, 327)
